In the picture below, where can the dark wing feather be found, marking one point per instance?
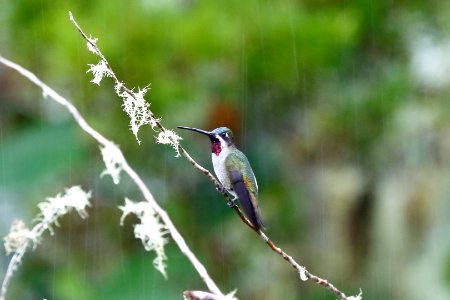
(245, 187)
(244, 197)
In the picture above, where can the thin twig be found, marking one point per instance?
(19, 238)
(304, 274)
(9, 272)
(179, 240)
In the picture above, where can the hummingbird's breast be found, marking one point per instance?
(220, 170)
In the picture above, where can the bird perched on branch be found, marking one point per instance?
(234, 172)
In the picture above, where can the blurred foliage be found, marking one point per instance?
(332, 101)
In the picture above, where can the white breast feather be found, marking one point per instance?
(219, 166)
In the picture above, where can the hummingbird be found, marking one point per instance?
(234, 172)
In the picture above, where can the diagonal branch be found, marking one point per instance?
(179, 240)
(304, 274)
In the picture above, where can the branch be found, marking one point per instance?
(174, 141)
(15, 260)
(179, 240)
(19, 237)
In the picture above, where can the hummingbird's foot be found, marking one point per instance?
(232, 202)
(221, 189)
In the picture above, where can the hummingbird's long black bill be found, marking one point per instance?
(197, 130)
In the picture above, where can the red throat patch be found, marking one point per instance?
(216, 148)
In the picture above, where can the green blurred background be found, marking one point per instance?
(342, 108)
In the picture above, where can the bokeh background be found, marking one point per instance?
(342, 107)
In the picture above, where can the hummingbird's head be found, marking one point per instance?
(221, 138)
(225, 135)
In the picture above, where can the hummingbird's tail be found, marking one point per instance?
(253, 214)
(258, 219)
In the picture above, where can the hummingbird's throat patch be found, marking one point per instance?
(216, 148)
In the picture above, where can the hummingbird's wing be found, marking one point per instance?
(244, 185)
